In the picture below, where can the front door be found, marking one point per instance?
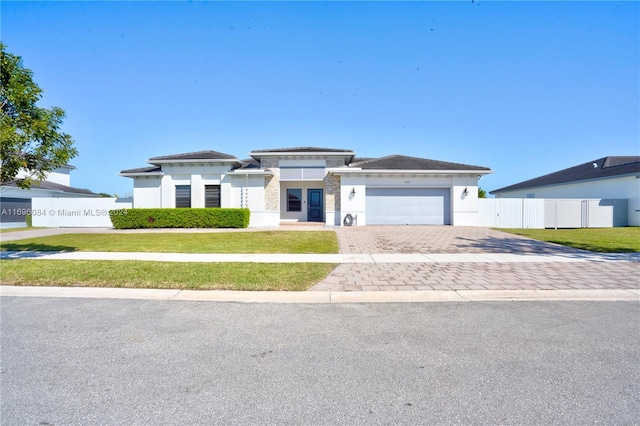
(315, 207)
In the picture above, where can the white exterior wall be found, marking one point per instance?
(249, 193)
(353, 204)
(626, 187)
(146, 192)
(464, 210)
(156, 192)
(61, 176)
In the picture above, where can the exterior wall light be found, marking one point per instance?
(464, 193)
(352, 193)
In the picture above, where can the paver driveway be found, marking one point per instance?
(439, 239)
(471, 275)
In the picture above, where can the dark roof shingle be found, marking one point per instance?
(403, 162)
(200, 155)
(600, 168)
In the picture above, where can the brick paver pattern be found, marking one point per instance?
(466, 276)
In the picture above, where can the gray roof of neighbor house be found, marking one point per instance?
(601, 168)
(200, 155)
(52, 186)
(403, 162)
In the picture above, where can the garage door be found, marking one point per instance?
(404, 206)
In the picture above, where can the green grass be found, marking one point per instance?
(315, 242)
(602, 240)
(166, 275)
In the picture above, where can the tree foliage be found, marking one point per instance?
(30, 136)
(482, 193)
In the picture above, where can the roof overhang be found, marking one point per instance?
(352, 171)
(253, 172)
(138, 174)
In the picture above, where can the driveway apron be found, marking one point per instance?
(466, 275)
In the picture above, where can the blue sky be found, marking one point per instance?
(525, 88)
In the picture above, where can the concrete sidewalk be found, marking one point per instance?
(332, 258)
(321, 296)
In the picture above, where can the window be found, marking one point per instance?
(183, 195)
(294, 200)
(212, 195)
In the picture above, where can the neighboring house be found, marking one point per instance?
(15, 202)
(606, 178)
(308, 184)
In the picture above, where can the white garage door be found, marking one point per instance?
(404, 206)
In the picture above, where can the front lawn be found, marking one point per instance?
(288, 242)
(603, 240)
(167, 275)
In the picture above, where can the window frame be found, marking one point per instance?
(181, 198)
(290, 194)
(212, 200)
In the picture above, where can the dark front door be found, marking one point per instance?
(315, 208)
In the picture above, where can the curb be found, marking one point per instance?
(321, 297)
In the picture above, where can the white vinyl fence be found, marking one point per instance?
(593, 213)
(511, 212)
(552, 213)
(74, 212)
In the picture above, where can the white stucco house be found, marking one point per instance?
(611, 178)
(15, 202)
(309, 184)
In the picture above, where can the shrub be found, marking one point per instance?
(179, 218)
(29, 219)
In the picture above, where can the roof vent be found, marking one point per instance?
(595, 165)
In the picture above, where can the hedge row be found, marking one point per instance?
(179, 218)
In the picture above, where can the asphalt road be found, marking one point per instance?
(96, 361)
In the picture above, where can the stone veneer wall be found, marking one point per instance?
(272, 186)
(332, 187)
